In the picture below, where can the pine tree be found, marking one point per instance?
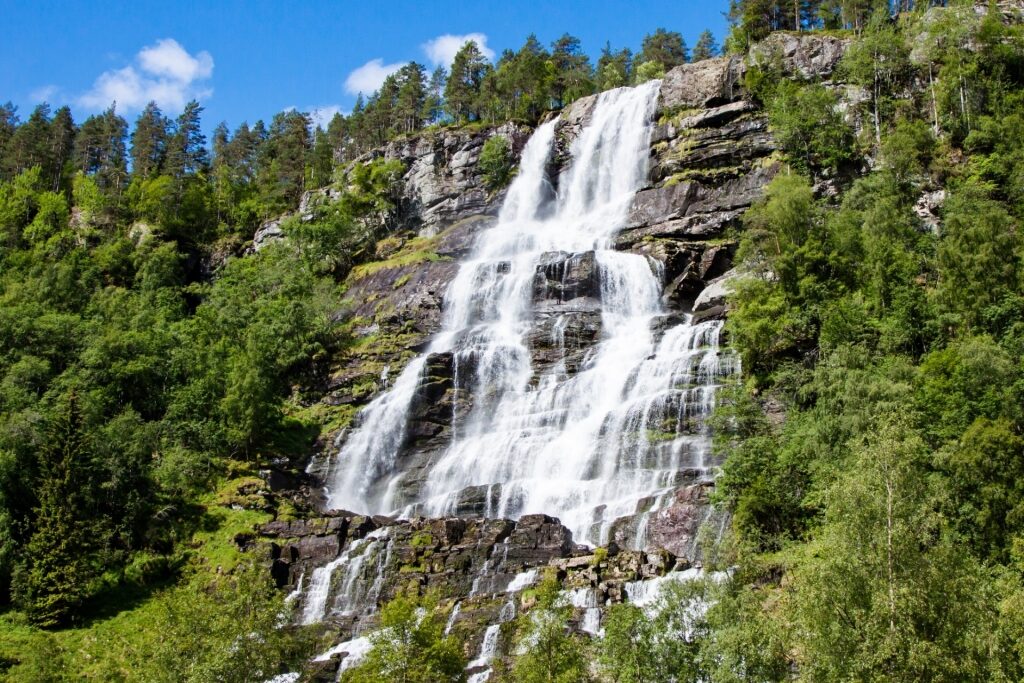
(8, 124)
(573, 74)
(62, 143)
(706, 47)
(149, 142)
(664, 47)
(29, 146)
(186, 153)
(614, 69)
(433, 107)
(411, 98)
(100, 150)
(54, 576)
(463, 88)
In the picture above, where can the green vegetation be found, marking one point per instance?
(875, 531)
(411, 646)
(545, 649)
(497, 162)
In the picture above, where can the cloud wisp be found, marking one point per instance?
(368, 78)
(166, 73)
(441, 50)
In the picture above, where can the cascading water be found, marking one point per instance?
(586, 444)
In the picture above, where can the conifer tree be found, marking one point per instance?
(433, 107)
(149, 142)
(463, 88)
(62, 142)
(411, 97)
(664, 47)
(54, 576)
(706, 47)
(573, 76)
(100, 150)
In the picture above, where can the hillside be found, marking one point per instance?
(714, 377)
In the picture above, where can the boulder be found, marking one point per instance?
(707, 83)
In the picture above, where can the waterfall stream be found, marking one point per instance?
(610, 438)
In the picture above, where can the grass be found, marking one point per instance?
(109, 638)
(415, 251)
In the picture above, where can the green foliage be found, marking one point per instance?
(810, 127)
(656, 645)
(410, 647)
(545, 649)
(876, 529)
(497, 162)
(52, 580)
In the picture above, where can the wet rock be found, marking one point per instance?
(675, 528)
(714, 295)
(562, 277)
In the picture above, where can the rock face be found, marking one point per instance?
(711, 156)
(809, 56)
(481, 565)
(443, 183)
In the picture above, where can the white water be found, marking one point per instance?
(584, 447)
(355, 590)
(522, 580)
(587, 600)
(356, 649)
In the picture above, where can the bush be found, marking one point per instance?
(496, 162)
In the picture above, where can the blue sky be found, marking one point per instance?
(247, 60)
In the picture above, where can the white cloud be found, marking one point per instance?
(441, 50)
(368, 78)
(166, 74)
(321, 116)
(169, 59)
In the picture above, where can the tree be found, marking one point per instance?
(61, 147)
(614, 69)
(979, 253)
(810, 127)
(412, 97)
(664, 47)
(884, 591)
(100, 151)
(149, 142)
(461, 92)
(8, 124)
(573, 76)
(706, 47)
(53, 578)
(433, 106)
(186, 148)
(497, 162)
(545, 649)
(29, 145)
(410, 647)
(880, 61)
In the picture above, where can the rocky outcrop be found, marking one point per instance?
(484, 566)
(443, 183)
(806, 55)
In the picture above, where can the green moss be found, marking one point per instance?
(675, 115)
(422, 539)
(415, 251)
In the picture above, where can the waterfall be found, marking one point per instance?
(590, 445)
